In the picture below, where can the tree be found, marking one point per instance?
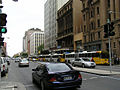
(16, 55)
(40, 48)
(24, 55)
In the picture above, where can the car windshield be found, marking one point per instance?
(86, 59)
(58, 67)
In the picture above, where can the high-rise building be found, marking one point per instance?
(36, 40)
(69, 24)
(50, 8)
(26, 39)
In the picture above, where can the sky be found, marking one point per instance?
(21, 16)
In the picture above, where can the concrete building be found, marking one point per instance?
(95, 15)
(36, 39)
(50, 8)
(26, 40)
(69, 24)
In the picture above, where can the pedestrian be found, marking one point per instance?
(118, 60)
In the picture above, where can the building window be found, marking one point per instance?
(98, 22)
(92, 25)
(108, 1)
(98, 10)
(85, 39)
(84, 28)
(91, 38)
(91, 13)
(83, 5)
(98, 35)
(114, 9)
(84, 17)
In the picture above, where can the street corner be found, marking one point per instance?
(11, 86)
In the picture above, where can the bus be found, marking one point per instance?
(58, 57)
(98, 57)
(69, 57)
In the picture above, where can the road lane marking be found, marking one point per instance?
(93, 77)
(29, 85)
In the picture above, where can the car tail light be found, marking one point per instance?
(79, 76)
(3, 67)
(52, 79)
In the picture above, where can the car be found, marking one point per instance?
(8, 60)
(83, 62)
(4, 66)
(50, 75)
(17, 60)
(23, 62)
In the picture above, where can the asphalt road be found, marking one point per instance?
(90, 81)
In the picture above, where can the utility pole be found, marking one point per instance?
(108, 21)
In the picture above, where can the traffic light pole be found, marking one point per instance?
(110, 55)
(109, 47)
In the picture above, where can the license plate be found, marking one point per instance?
(68, 78)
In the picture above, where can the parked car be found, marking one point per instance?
(23, 62)
(4, 66)
(56, 76)
(83, 62)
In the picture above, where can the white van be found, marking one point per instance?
(4, 66)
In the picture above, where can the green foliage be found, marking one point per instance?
(24, 55)
(40, 48)
(16, 55)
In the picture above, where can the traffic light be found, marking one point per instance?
(3, 20)
(106, 34)
(1, 41)
(111, 28)
(3, 30)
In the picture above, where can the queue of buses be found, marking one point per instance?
(98, 57)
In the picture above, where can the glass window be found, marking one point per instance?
(58, 67)
(98, 10)
(98, 21)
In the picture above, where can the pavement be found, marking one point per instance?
(11, 86)
(97, 71)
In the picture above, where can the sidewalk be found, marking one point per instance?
(96, 71)
(11, 86)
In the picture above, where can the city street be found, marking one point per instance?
(90, 81)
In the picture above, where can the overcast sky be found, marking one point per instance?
(21, 16)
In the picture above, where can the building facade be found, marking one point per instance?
(68, 23)
(26, 39)
(95, 16)
(50, 8)
(36, 40)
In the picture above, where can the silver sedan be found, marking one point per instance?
(23, 62)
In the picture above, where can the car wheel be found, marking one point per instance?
(83, 65)
(73, 64)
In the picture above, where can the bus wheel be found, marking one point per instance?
(73, 64)
(83, 65)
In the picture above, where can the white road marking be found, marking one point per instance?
(93, 77)
(29, 85)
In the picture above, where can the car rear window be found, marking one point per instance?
(86, 59)
(58, 67)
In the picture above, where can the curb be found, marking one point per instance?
(96, 72)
